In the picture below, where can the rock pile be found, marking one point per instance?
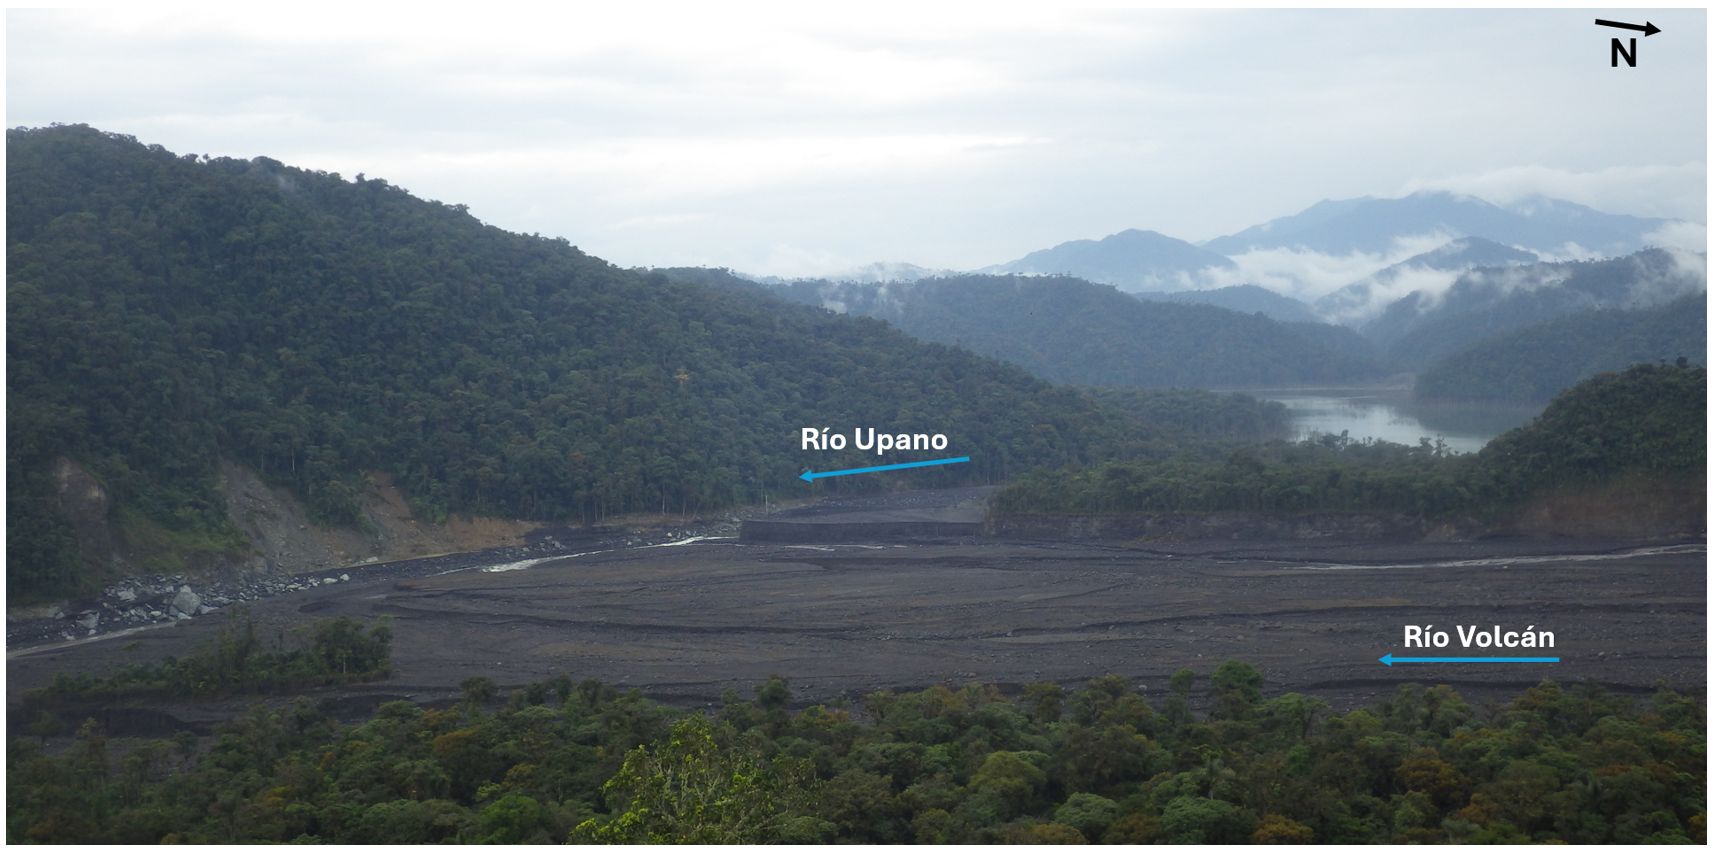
(139, 601)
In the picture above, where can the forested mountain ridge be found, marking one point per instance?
(1375, 224)
(1488, 302)
(1536, 362)
(1242, 298)
(1070, 330)
(165, 311)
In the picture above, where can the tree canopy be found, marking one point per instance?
(1099, 762)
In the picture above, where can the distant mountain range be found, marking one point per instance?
(1069, 330)
(1129, 260)
(1472, 233)
(1373, 225)
(1492, 272)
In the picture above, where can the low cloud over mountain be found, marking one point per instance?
(1351, 259)
(1431, 272)
(1484, 302)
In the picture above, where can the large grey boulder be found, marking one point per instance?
(186, 601)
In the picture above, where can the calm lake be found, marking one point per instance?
(1391, 414)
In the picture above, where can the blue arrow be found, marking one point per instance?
(1390, 660)
(812, 475)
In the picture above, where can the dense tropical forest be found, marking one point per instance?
(1105, 762)
(1197, 419)
(1537, 362)
(1647, 421)
(165, 311)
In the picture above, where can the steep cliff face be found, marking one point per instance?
(87, 508)
(279, 529)
(1637, 506)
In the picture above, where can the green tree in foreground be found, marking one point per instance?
(697, 789)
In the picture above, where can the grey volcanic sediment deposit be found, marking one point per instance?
(685, 622)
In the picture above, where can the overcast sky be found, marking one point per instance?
(796, 142)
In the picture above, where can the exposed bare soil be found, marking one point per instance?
(287, 541)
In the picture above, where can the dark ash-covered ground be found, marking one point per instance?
(683, 623)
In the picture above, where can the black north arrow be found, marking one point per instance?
(1648, 28)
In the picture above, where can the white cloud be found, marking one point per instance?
(1684, 273)
(795, 261)
(660, 221)
(1682, 236)
(1518, 279)
(1362, 307)
(1307, 275)
(1568, 251)
(663, 168)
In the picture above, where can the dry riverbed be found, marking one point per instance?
(685, 622)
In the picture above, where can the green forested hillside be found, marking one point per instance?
(1648, 421)
(1069, 330)
(166, 310)
(1538, 361)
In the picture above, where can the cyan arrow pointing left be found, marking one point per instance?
(1388, 660)
(812, 475)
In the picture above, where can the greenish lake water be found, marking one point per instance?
(1389, 413)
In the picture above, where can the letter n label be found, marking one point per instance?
(1617, 50)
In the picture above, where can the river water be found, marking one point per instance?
(1388, 413)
